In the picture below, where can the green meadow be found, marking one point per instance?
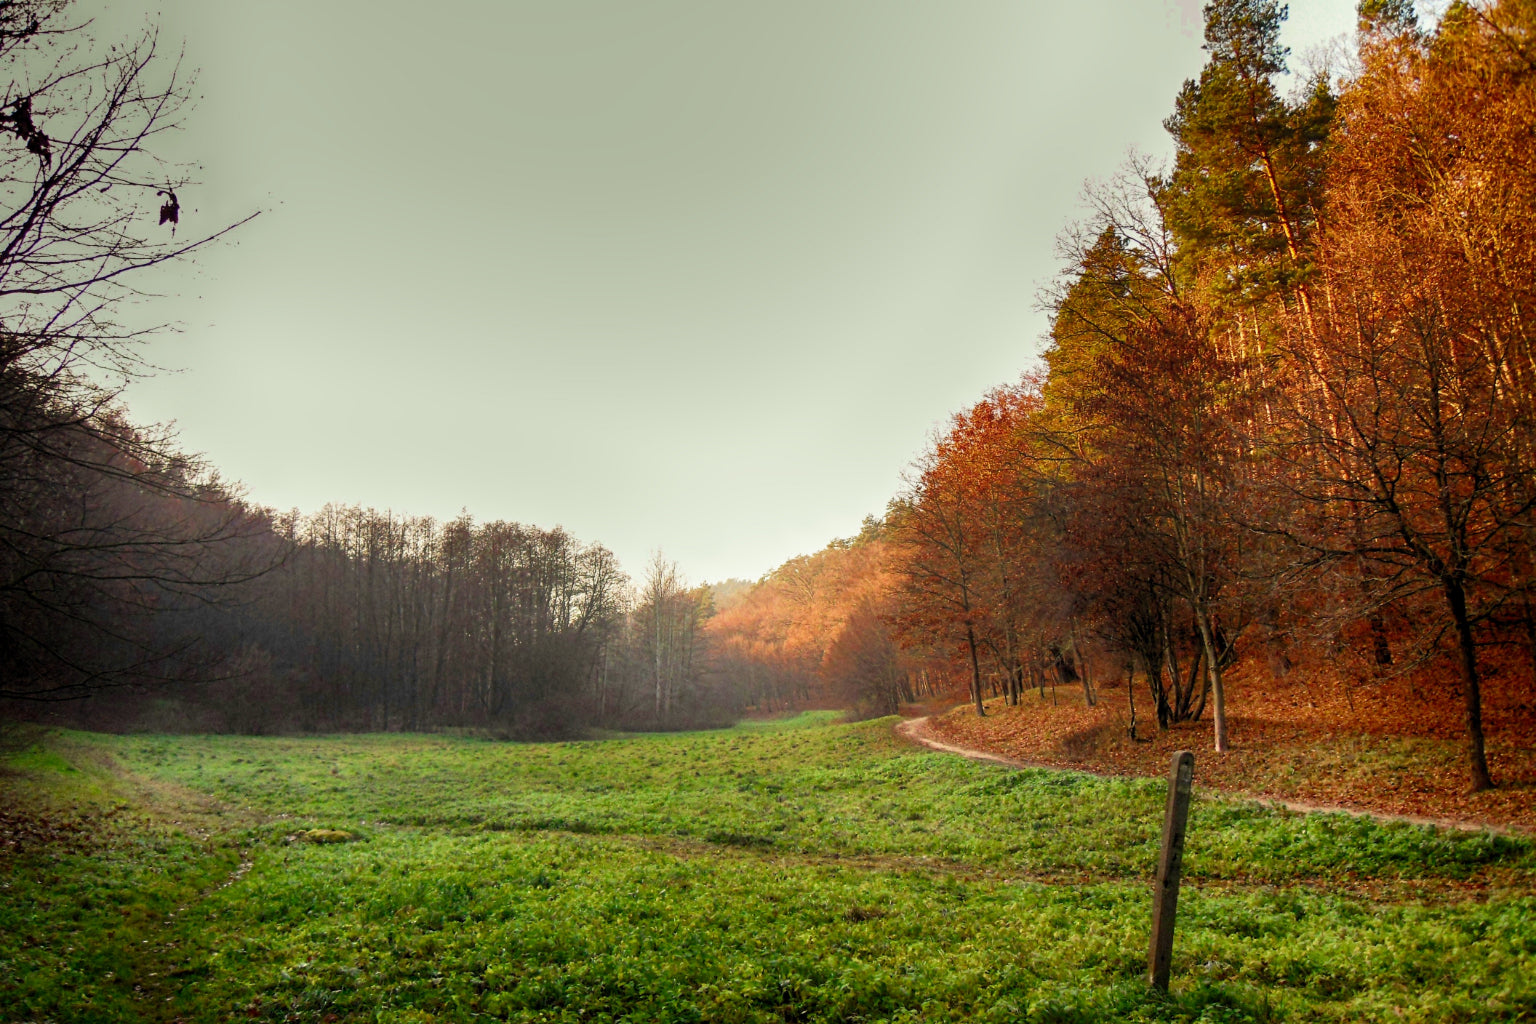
(800, 870)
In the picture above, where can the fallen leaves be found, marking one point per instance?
(1391, 748)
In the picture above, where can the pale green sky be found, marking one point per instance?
(700, 276)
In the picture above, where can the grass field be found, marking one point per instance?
(797, 870)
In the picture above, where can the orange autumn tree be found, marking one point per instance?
(1409, 432)
(972, 547)
(816, 632)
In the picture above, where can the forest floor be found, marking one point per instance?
(1395, 748)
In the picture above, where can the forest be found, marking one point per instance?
(1284, 415)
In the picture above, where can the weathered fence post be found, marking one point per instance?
(1170, 862)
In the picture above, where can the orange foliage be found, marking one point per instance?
(803, 636)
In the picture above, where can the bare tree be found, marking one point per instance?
(670, 615)
(98, 521)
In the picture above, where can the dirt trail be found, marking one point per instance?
(916, 730)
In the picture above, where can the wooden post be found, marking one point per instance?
(1165, 899)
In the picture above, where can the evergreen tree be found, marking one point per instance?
(1247, 180)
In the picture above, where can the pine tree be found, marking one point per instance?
(1247, 179)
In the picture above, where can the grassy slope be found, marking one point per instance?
(799, 870)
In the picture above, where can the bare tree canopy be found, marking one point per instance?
(101, 523)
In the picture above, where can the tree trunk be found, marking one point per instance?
(1081, 664)
(1130, 696)
(1471, 685)
(970, 638)
(1165, 706)
(1529, 621)
(1213, 666)
(1381, 648)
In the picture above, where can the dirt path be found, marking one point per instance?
(916, 730)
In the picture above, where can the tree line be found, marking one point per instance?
(378, 621)
(204, 612)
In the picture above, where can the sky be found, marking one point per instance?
(697, 276)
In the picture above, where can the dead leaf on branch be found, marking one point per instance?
(170, 210)
(20, 120)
